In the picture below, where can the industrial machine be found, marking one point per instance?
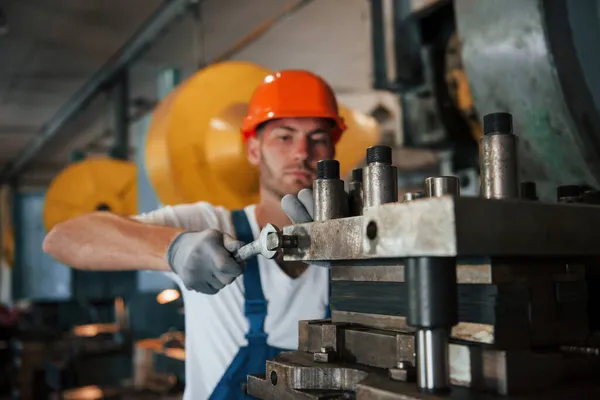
(453, 61)
(439, 295)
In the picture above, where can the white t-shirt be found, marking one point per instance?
(215, 324)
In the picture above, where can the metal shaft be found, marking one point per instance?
(442, 185)
(330, 200)
(433, 303)
(248, 251)
(432, 360)
(498, 158)
(380, 178)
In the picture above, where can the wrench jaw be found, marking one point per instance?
(269, 241)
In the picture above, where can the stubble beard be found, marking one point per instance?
(272, 183)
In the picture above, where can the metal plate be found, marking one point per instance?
(480, 227)
(448, 227)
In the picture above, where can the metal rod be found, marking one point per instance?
(380, 178)
(330, 200)
(162, 18)
(437, 186)
(433, 303)
(498, 158)
(432, 360)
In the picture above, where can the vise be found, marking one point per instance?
(443, 296)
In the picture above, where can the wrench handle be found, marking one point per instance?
(245, 252)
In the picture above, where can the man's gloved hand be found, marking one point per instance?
(301, 208)
(204, 260)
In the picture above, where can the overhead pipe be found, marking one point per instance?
(120, 146)
(162, 18)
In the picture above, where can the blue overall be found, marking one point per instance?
(251, 359)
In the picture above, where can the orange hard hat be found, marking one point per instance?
(292, 94)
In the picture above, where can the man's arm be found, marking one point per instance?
(107, 242)
(174, 239)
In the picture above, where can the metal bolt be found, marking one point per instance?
(404, 372)
(324, 356)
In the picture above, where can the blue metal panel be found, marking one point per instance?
(147, 199)
(148, 281)
(37, 276)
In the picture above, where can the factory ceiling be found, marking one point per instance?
(49, 49)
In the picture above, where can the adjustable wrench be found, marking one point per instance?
(268, 244)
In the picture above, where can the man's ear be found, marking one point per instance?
(253, 150)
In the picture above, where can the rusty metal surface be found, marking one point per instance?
(338, 239)
(295, 375)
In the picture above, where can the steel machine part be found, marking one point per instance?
(380, 178)
(498, 158)
(568, 194)
(355, 193)
(448, 297)
(433, 303)
(410, 196)
(442, 185)
(536, 60)
(330, 200)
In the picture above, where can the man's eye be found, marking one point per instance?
(284, 138)
(319, 140)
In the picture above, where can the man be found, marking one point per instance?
(233, 324)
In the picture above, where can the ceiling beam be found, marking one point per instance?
(163, 17)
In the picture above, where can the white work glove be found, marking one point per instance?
(204, 260)
(301, 209)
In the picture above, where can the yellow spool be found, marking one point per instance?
(194, 149)
(90, 185)
(8, 237)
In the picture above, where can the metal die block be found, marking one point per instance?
(337, 239)
(375, 348)
(314, 335)
(449, 226)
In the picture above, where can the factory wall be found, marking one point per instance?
(331, 38)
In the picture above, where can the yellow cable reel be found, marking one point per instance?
(89, 185)
(194, 149)
(8, 237)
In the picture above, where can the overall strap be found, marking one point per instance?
(255, 304)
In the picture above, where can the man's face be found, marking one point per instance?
(287, 151)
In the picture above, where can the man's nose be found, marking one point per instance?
(301, 149)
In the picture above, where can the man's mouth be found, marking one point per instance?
(300, 174)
